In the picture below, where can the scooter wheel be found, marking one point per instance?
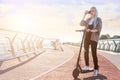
(75, 73)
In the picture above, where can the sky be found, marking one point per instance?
(57, 18)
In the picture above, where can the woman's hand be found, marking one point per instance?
(86, 12)
(94, 30)
(88, 30)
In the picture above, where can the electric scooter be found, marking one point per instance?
(78, 68)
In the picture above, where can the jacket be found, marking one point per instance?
(94, 35)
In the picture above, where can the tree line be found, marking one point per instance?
(107, 36)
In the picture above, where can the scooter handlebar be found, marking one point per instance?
(79, 30)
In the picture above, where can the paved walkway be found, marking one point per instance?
(55, 65)
(107, 70)
(113, 57)
(32, 67)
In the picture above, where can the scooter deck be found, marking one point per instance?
(86, 71)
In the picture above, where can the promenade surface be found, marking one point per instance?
(56, 65)
(107, 70)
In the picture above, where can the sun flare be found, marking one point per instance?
(23, 23)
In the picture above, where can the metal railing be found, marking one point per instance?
(109, 45)
(15, 44)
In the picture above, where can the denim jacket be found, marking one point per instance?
(95, 35)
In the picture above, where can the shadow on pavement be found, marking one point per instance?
(15, 66)
(77, 79)
(99, 77)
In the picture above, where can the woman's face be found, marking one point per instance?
(93, 12)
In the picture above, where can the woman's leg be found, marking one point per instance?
(94, 54)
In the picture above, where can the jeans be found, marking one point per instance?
(93, 44)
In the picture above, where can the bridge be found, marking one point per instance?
(25, 56)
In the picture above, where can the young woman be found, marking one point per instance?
(93, 26)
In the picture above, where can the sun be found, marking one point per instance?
(23, 23)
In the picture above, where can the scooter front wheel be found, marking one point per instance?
(76, 73)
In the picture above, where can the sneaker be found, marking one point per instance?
(95, 73)
(86, 68)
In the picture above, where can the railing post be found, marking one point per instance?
(99, 45)
(115, 45)
(118, 46)
(29, 44)
(37, 44)
(103, 48)
(40, 43)
(33, 43)
(108, 48)
(11, 41)
(23, 44)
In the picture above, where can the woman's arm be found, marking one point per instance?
(99, 25)
(94, 30)
(83, 22)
